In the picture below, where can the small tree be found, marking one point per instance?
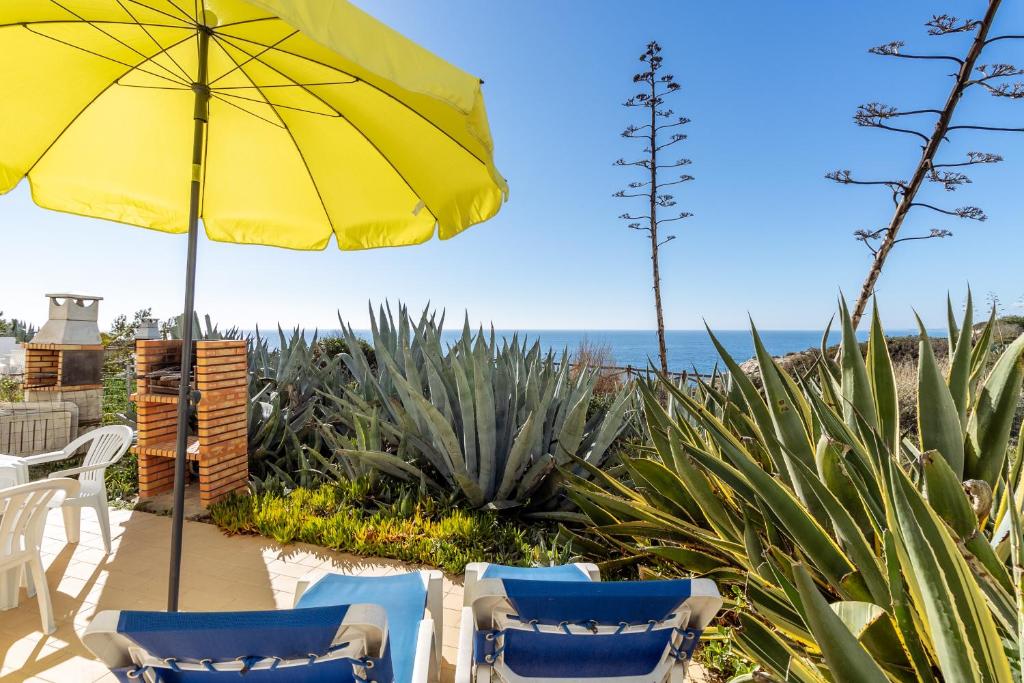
(989, 77)
(657, 132)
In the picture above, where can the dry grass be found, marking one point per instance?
(590, 354)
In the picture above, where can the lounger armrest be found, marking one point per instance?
(435, 605)
(590, 569)
(307, 580)
(426, 666)
(464, 660)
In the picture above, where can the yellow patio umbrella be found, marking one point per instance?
(276, 122)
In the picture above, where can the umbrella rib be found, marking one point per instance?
(110, 22)
(190, 21)
(116, 39)
(81, 111)
(131, 67)
(375, 87)
(274, 104)
(349, 122)
(247, 111)
(251, 57)
(291, 136)
(282, 85)
(249, 21)
(155, 41)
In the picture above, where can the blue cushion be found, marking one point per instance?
(223, 636)
(564, 572)
(557, 655)
(403, 596)
(605, 602)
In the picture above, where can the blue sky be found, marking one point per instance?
(770, 88)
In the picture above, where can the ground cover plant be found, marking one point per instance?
(373, 519)
(859, 555)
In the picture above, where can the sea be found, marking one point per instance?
(687, 350)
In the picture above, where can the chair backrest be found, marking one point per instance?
(614, 631)
(106, 446)
(303, 645)
(23, 508)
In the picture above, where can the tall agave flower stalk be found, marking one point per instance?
(861, 555)
(492, 420)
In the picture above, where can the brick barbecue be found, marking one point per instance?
(64, 360)
(218, 431)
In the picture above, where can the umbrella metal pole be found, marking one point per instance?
(185, 398)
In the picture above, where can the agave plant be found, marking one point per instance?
(284, 400)
(861, 555)
(494, 420)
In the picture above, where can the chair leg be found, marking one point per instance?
(72, 522)
(30, 585)
(10, 582)
(103, 517)
(42, 594)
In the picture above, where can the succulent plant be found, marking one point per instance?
(861, 555)
(494, 420)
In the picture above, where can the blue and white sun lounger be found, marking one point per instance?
(563, 626)
(343, 628)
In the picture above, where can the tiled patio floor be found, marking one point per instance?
(218, 573)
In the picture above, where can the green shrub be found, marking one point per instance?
(355, 517)
(10, 389)
(861, 556)
(330, 347)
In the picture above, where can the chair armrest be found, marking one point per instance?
(41, 458)
(77, 470)
(464, 659)
(425, 667)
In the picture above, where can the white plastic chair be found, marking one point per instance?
(106, 446)
(23, 511)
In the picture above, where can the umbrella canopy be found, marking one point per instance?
(321, 121)
(277, 122)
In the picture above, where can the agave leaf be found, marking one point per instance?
(770, 651)
(611, 425)
(960, 363)
(567, 443)
(853, 541)
(787, 417)
(991, 422)
(848, 661)
(883, 384)
(467, 410)
(697, 486)
(690, 560)
(518, 456)
(486, 429)
(756, 404)
(980, 353)
(943, 591)
(856, 390)
(937, 418)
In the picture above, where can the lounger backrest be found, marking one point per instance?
(621, 631)
(308, 645)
